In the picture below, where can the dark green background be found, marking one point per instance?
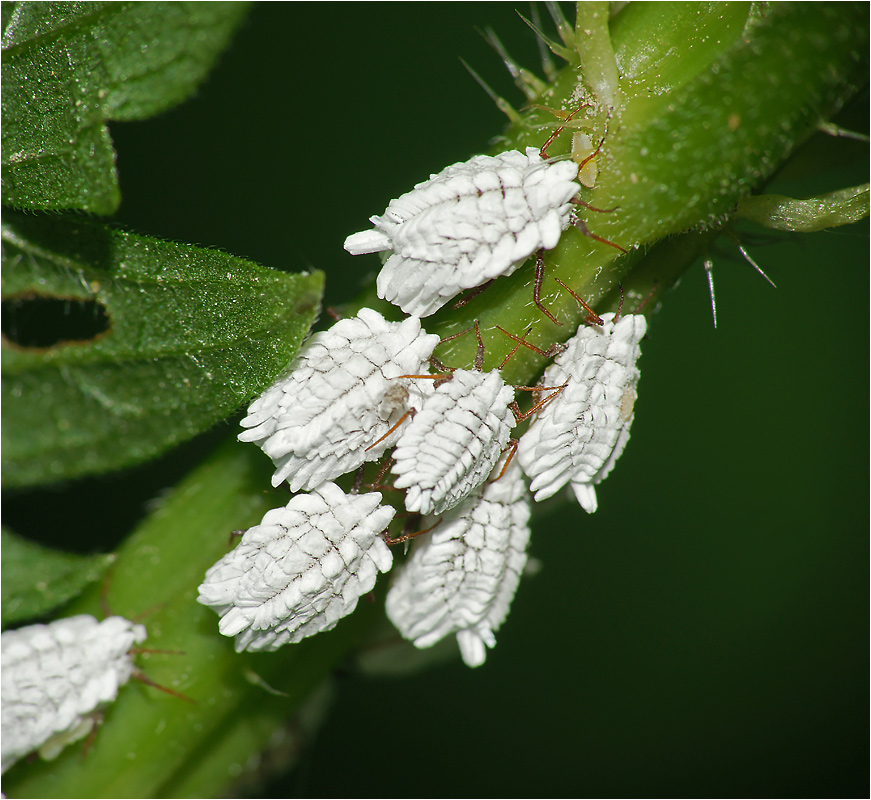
(705, 633)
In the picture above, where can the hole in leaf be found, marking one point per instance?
(34, 321)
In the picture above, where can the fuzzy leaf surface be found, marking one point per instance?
(192, 335)
(69, 68)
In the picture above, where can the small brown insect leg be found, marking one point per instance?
(479, 353)
(358, 479)
(407, 536)
(536, 287)
(512, 446)
(520, 416)
(143, 678)
(622, 298)
(402, 419)
(472, 294)
(551, 351)
(456, 335)
(559, 130)
(579, 202)
(645, 301)
(582, 227)
(594, 317)
(237, 534)
(595, 152)
(376, 484)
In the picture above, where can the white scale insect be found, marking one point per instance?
(471, 222)
(579, 435)
(453, 442)
(301, 569)
(456, 438)
(330, 414)
(55, 676)
(462, 578)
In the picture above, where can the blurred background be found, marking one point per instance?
(705, 633)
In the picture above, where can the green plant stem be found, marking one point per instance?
(150, 741)
(676, 162)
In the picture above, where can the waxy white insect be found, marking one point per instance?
(301, 569)
(453, 442)
(471, 222)
(578, 436)
(330, 414)
(462, 578)
(55, 676)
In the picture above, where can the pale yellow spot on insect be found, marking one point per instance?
(627, 404)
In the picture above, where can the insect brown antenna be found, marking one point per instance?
(593, 318)
(388, 539)
(582, 227)
(515, 348)
(554, 349)
(559, 130)
(578, 202)
(598, 149)
(405, 416)
(522, 415)
(479, 353)
(143, 678)
(158, 651)
(644, 302)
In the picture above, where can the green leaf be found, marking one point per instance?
(37, 579)
(811, 214)
(192, 335)
(68, 68)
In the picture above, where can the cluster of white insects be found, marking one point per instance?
(363, 390)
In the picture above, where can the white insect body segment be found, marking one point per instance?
(578, 436)
(340, 397)
(55, 676)
(301, 569)
(473, 221)
(453, 442)
(462, 578)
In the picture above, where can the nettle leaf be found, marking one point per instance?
(68, 68)
(118, 346)
(37, 579)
